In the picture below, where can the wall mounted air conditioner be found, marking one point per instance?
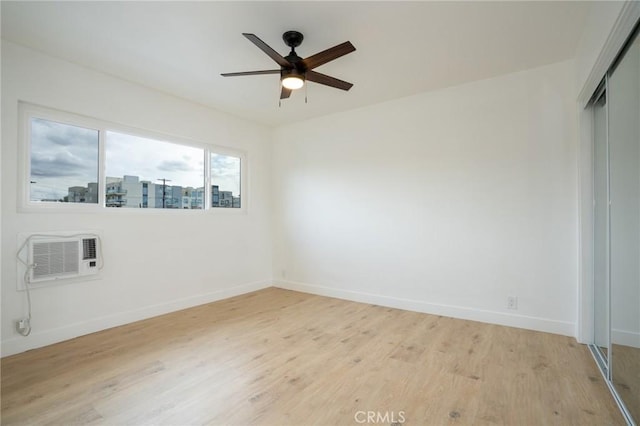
(61, 257)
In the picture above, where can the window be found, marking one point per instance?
(71, 160)
(63, 163)
(225, 181)
(147, 173)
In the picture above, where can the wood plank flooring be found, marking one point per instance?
(626, 376)
(277, 357)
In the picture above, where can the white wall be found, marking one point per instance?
(154, 263)
(445, 202)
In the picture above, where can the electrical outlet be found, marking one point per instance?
(512, 302)
(22, 325)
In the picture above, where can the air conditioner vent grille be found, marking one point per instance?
(55, 258)
(88, 249)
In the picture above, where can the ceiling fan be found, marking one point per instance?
(294, 70)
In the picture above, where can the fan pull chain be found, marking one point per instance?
(305, 93)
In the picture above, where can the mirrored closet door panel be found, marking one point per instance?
(601, 228)
(623, 104)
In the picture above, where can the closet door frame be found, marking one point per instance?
(621, 32)
(603, 362)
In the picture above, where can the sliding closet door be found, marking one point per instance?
(624, 180)
(601, 228)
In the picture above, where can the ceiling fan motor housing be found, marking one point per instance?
(292, 72)
(292, 39)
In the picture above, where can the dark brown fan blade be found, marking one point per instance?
(317, 77)
(236, 74)
(285, 93)
(268, 50)
(328, 55)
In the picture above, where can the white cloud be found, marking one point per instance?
(153, 160)
(61, 156)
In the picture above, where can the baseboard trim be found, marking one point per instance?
(626, 338)
(491, 317)
(37, 339)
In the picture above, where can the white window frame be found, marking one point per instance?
(28, 111)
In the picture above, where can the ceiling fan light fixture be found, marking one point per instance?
(293, 81)
(295, 71)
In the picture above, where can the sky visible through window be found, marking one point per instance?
(62, 156)
(225, 172)
(152, 160)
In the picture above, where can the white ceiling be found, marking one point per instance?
(403, 48)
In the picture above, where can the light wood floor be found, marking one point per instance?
(626, 376)
(278, 357)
